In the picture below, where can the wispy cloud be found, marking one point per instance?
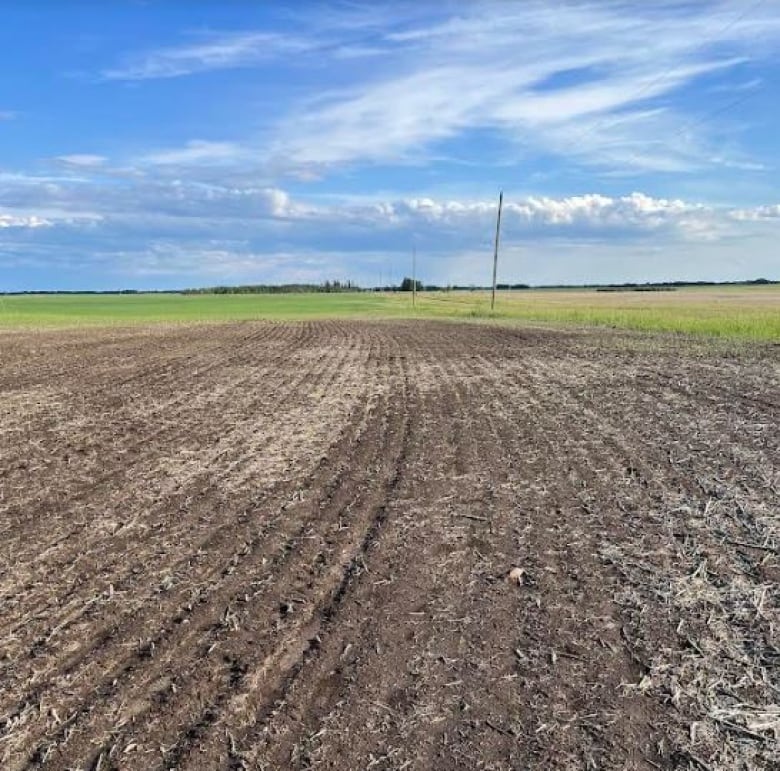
(594, 82)
(342, 31)
(218, 262)
(7, 114)
(223, 51)
(195, 152)
(82, 160)
(574, 79)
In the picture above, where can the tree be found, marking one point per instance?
(408, 284)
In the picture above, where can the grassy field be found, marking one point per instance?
(729, 312)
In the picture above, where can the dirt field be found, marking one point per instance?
(270, 546)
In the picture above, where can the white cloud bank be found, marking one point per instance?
(36, 200)
(192, 233)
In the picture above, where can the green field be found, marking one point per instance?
(85, 309)
(750, 312)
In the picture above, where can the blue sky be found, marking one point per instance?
(164, 144)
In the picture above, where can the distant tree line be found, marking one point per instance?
(405, 286)
(89, 291)
(671, 286)
(326, 286)
(408, 283)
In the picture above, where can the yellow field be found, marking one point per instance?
(751, 312)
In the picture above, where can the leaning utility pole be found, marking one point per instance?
(495, 250)
(414, 275)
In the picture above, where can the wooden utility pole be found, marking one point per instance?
(414, 275)
(495, 250)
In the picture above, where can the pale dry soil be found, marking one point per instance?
(271, 546)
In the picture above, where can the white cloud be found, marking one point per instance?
(104, 193)
(43, 216)
(195, 152)
(758, 214)
(84, 160)
(590, 216)
(217, 52)
(23, 221)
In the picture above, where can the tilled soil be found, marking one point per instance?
(270, 546)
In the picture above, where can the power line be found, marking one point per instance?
(606, 123)
(707, 117)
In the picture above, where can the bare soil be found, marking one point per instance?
(271, 546)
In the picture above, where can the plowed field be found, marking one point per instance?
(270, 546)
